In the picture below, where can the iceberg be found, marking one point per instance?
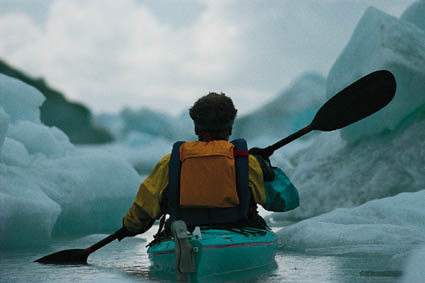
(329, 173)
(371, 228)
(380, 156)
(19, 100)
(49, 187)
(381, 41)
(415, 14)
(362, 189)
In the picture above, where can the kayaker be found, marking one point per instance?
(210, 181)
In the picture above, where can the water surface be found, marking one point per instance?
(127, 261)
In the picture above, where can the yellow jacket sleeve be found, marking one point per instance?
(256, 181)
(147, 203)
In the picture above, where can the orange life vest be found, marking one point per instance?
(208, 174)
(208, 182)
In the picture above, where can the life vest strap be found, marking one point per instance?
(239, 152)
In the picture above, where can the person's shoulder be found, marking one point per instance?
(253, 160)
(165, 159)
(163, 163)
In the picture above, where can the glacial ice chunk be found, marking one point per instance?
(39, 138)
(415, 14)
(20, 100)
(48, 186)
(27, 214)
(14, 153)
(381, 41)
(330, 173)
(93, 190)
(372, 228)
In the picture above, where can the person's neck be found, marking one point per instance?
(224, 139)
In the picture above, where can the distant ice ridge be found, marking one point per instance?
(146, 122)
(141, 150)
(47, 186)
(143, 136)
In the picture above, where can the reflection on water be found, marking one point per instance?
(127, 261)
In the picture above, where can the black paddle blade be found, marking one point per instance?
(79, 256)
(74, 256)
(357, 101)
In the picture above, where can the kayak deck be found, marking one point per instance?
(219, 252)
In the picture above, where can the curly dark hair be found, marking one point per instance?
(213, 113)
(213, 110)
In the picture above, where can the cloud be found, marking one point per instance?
(109, 54)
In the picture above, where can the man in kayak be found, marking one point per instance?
(210, 181)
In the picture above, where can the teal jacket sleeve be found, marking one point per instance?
(281, 194)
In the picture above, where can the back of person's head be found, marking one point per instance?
(213, 114)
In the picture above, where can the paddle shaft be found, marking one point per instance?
(119, 234)
(102, 243)
(289, 139)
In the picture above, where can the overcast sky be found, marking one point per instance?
(162, 54)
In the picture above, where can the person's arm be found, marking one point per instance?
(256, 181)
(270, 187)
(146, 207)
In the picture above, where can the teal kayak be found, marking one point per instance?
(218, 252)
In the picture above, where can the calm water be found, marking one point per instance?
(127, 261)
